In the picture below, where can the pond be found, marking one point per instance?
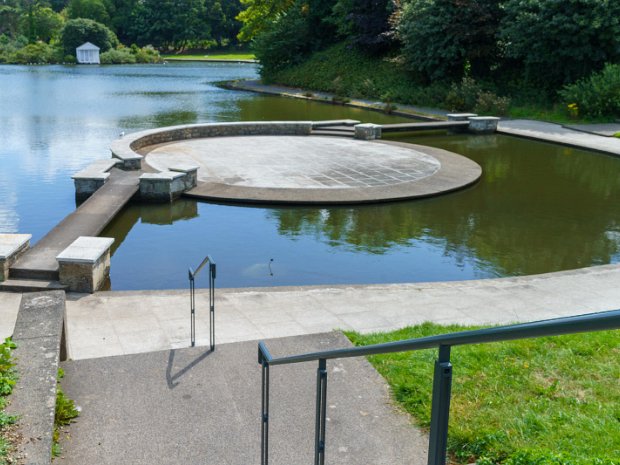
(538, 207)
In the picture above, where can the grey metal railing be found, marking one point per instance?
(442, 381)
(192, 299)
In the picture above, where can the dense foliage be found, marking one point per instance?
(526, 49)
(166, 24)
(7, 382)
(598, 95)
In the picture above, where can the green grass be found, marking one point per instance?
(7, 382)
(212, 56)
(617, 135)
(531, 402)
(65, 413)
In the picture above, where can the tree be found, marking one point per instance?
(168, 23)
(443, 39)
(78, 31)
(220, 16)
(42, 23)
(367, 23)
(555, 42)
(258, 15)
(9, 19)
(97, 10)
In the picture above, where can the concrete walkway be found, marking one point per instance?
(556, 133)
(88, 219)
(117, 323)
(192, 406)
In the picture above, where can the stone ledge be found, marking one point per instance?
(12, 247)
(94, 176)
(39, 338)
(483, 124)
(84, 266)
(165, 186)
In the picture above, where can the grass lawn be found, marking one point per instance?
(549, 401)
(212, 56)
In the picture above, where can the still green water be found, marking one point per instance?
(538, 207)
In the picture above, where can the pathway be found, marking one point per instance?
(192, 406)
(127, 322)
(557, 133)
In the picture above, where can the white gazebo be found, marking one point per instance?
(87, 53)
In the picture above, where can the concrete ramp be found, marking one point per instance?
(191, 406)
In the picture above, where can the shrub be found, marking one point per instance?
(117, 57)
(38, 52)
(598, 95)
(146, 54)
(78, 31)
(468, 95)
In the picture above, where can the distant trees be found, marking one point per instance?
(541, 45)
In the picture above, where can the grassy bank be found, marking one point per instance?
(7, 381)
(349, 73)
(532, 402)
(211, 56)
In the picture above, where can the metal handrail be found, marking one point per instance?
(192, 298)
(442, 381)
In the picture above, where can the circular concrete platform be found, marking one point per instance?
(313, 169)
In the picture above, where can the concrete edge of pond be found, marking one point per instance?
(102, 325)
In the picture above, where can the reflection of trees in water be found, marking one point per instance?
(538, 208)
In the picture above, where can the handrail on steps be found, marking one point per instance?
(442, 382)
(192, 296)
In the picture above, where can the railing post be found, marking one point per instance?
(321, 412)
(212, 305)
(440, 409)
(264, 431)
(192, 309)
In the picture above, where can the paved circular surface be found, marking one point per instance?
(302, 169)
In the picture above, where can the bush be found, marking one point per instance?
(146, 54)
(78, 31)
(117, 57)
(596, 96)
(469, 95)
(38, 52)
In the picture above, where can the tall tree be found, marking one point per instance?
(97, 10)
(258, 15)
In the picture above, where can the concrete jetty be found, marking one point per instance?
(89, 219)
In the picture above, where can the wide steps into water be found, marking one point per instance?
(431, 126)
(30, 285)
(88, 219)
(335, 133)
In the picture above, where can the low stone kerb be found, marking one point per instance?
(11, 243)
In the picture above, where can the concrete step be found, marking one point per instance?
(17, 272)
(323, 132)
(30, 285)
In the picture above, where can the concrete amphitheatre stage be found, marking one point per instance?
(276, 162)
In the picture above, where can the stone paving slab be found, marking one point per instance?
(192, 406)
(556, 133)
(126, 322)
(301, 169)
(9, 307)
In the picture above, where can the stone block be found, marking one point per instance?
(190, 172)
(12, 246)
(94, 176)
(84, 266)
(162, 187)
(367, 131)
(483, 124)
